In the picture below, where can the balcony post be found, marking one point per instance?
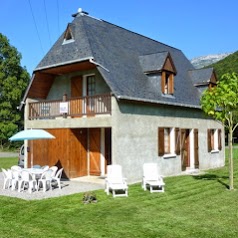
(64, 100)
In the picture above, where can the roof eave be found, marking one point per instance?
(64, 63)
(121, 97)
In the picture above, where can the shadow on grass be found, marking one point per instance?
(213, 177)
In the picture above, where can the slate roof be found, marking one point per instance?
(153, 62)
(120, 52)
(201, 76)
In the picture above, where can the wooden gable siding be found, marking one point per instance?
(70, 68)
(67, 150)
(213, 78)
(169, 65)
(40, 86)
(43, 79)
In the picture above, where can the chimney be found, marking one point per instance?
(79, 13)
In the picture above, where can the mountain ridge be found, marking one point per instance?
(206, 60)
(227, 65)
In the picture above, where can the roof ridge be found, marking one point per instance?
(140, 35)
(88, 38)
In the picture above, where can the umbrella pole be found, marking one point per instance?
(31, 153)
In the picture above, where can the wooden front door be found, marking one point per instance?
(185, 149)
(94, 150)
(76, 106)
(78, 153)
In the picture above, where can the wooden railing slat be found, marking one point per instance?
(50, 109)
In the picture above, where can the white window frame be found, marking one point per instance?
(85, 89)
(172, 143)
(215, 148)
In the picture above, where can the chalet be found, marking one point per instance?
(112, 96)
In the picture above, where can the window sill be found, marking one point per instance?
(67, 41)
(168, 96)
(168, 156)
(214, 151)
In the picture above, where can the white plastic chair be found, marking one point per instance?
(45, 180)
(54, 170)
(16, 177)
(115, 181)
(7, 176)
(57, 177)
(152, 178)
(45, 167)
(16, 167)
(26, 179)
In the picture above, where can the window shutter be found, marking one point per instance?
(196, 158)
(209, 145)
(163, 81)
(171, 83)
(219, 140)
(161, 141)
(177, 141)
(183, 137)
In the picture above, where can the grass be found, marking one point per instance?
(8, 162)
(192, 206)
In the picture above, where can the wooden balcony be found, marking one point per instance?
(74, 107)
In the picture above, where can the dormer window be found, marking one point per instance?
(167, 83)
(160, 64)
(203, 78)
(68, 35)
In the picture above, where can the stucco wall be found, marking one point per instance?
(62, 84)
(135, 137)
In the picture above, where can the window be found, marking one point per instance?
(167, 83)
(91, 85)
(169, 141)
(68, 35)
(166, 140)
(211, 85)
(214, 140)
(90, 92)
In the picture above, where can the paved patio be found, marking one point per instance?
(78, 185)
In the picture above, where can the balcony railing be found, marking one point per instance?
(75, 107)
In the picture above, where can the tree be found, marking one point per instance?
(13, 82)
(221, 102)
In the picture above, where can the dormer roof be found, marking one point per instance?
(203, 76)
(157, 62)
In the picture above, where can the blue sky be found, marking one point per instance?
(196, 27)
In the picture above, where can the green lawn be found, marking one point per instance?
(8, 162)
(192, 206)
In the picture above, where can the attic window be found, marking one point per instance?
(162, 64)
(167, 76)
(68, 36)
(167, 83)
(203, 78)
(211, 85)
